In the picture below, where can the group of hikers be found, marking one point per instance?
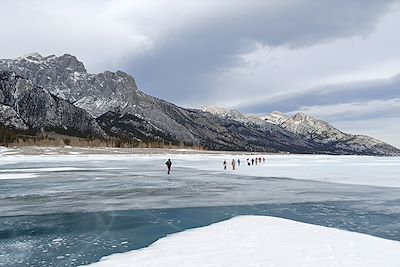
(250, 162)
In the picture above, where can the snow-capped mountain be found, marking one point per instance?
(234, 115)
(224, 113)
(315, 131)
(322, 132)
(112, 105)
(275, 117)
(306, 126)
(67, 78)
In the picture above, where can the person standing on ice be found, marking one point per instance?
(238, 162)
(233, 164)
(248, 162)
(252, 161)
(225, 164)
(168, 163)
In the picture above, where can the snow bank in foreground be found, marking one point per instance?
(262, 241)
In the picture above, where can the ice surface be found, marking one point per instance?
(74, 183)
(360, 170)
(262, 241)
(104, 201)
(5, 176)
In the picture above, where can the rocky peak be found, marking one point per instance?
(304, 124)
(70, 63)
(224, 113)
(301, 117)
(35, 56)
(278, 113)
(215, 110)
(36, 61)
(66, 77)
(275, 117)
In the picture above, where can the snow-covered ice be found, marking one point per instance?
(262, 241)
(6, 176)
(103, 201)
(359, 170)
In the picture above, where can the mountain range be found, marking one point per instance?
(56, 93)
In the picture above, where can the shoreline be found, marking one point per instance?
(66, 150)
(73, 150)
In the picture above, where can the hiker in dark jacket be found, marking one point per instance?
(168, 163)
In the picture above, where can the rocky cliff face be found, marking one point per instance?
(133, 128)
(58, 92)
(25, 106)
(10, 118)
(67, 78)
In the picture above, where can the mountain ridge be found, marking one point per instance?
(119, 108)
(319, 131)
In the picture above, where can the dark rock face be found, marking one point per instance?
(38, 109)
(132, 128)
(57, 92)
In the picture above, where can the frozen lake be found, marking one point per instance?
(63, 210)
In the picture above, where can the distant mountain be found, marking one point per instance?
(318, 132)
(225, 113)
(322, 132)
(109, 104)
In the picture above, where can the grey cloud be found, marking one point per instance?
(330, 95)
(387, 130)
(358, 111)
(182, 68)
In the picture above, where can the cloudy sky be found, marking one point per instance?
(334, 59)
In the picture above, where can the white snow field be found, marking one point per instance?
(360, 170)
(262, 241)
(43, 181)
